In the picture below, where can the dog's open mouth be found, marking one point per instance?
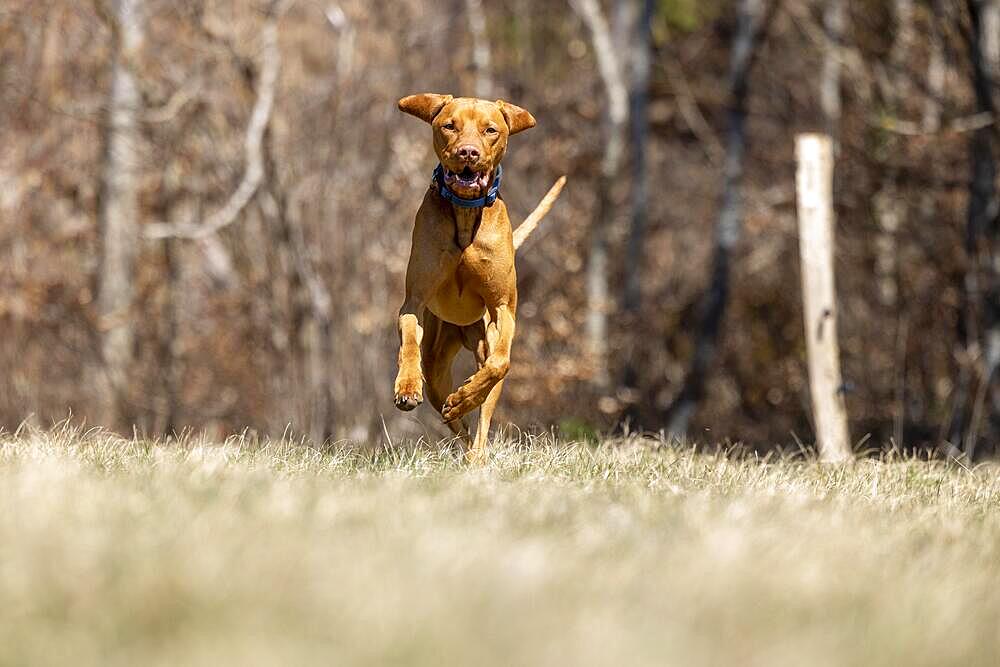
(468, 178)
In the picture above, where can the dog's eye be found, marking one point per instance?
(450, 126)
(490, 130)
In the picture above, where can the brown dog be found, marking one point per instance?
(461, 288)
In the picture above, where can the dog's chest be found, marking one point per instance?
(467, 223)
(465, 230)
(473, 236)
(458, 300)
(473, 270)
(461, 299)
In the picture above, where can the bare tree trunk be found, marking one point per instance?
(169, 341)
(118, 213)
(753, 22)
(834, 20)
(616, 117)
(480, 49)
(936, 71)
(889, 204)
(814, 185)
(982, 281)
(639, 116)
(933, 103)
(311, 326)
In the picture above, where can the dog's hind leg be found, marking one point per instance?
(478, 452)
(490, 341)
(441, 342)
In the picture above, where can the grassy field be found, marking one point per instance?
(130, 553)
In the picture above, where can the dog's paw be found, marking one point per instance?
(407, 402)
(409, 394)
(461, 402)
(477, 456)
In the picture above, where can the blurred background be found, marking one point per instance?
(206, 207)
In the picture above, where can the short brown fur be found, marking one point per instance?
(461, 286)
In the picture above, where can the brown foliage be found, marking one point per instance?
(227, 328)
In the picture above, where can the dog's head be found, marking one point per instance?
(470, 136)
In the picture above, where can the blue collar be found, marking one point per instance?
(491, 195)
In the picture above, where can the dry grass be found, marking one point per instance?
(129, 553)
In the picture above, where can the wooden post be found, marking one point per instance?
(814, 184)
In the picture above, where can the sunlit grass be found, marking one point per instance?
(115, 552)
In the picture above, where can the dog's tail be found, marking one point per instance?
(531, 222)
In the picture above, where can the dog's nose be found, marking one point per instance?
(468, 153)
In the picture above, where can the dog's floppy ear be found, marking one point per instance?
(517, 118)
(425, 105)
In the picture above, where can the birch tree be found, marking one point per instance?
(118, 211)
(610, 66)
(480, 49)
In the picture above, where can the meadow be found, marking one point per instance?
(629, 552)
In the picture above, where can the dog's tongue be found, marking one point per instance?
(470, 178)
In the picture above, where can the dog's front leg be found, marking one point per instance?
(472, 394)
(409, 380)
(427, 269)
